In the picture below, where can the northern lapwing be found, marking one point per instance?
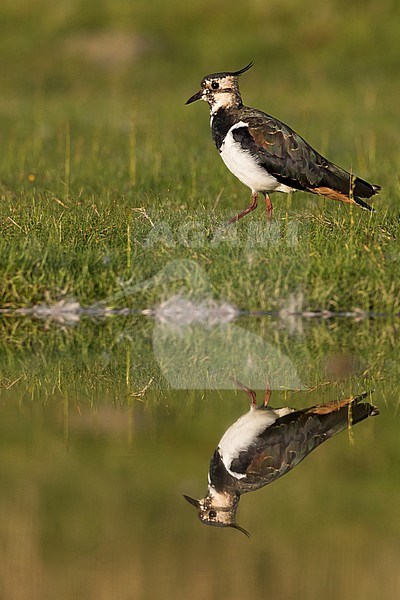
(265, 444)
(267, 155)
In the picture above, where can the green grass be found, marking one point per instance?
(93, 132)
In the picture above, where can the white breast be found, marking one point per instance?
(244, 167)
(244, 431)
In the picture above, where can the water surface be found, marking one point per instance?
(106, 424)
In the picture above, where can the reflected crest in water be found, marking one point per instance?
(266, 443)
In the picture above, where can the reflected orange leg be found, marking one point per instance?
(267, 396)
(251, 393)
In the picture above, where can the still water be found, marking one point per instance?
(106, 425)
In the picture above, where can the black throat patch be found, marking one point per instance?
(222, 121)
(220, 478)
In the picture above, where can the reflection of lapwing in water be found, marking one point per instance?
(265, 444)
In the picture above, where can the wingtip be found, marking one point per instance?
(364, 205)
(374, 410)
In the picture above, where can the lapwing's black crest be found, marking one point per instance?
(227, 74)
(265, 444)
(267, 155)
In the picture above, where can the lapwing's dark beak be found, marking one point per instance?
(235, 526)
(196, 96)
(192, 501)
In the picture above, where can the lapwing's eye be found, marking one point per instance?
(214, 85)
(212, 514)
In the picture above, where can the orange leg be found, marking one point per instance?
(268, 204)
(248, 210)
